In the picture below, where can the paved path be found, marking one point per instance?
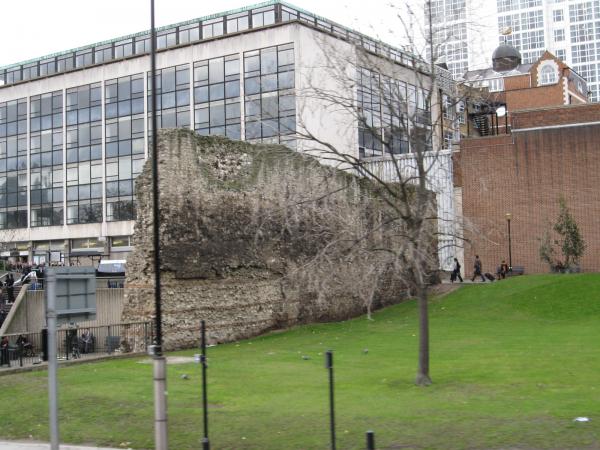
(467, 281)
(7, 445)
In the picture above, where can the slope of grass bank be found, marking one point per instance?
(512, 363)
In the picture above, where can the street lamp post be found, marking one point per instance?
(160, 363)
(508, 217)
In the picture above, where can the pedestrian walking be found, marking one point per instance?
(477, 266)
(456, 272)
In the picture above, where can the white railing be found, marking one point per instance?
(438, 165)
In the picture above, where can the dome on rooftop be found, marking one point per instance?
(505, 58)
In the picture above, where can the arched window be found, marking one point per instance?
(548, 75)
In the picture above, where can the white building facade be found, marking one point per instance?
(74, 126)
(570, 29)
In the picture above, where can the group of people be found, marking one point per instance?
(7, 286)
(31, 274)
(83, 343)
(22, 344)
(501, 273)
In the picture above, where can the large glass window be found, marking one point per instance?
(237, 22)
(86, 244)
(172, 97)
(84, 154)
(189, 33)
(263, 16)
(217, 96)
(166, 38)
(212, 28)
(269, 101)
(13, 164)
(548, 75)
(30, 71)
(47, 67)
(392, 110)
(124, 48)
(142, 44)
(46, 159)
(370, 138)
(103, 53)
(124, 99)
(65, 62)
(83, 58)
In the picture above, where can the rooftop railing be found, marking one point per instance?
(265, 14)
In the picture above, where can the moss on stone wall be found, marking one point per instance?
(246, 233)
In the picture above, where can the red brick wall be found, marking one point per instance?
(517, 82)
(524, 174)
(590, 112)
(538, 97)
(562, 67)
(576, 97)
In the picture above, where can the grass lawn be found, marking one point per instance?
(512, 364)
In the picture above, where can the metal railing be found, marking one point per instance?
(266, 14)
(25, 349)
(37, 284)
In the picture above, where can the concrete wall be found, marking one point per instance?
(31, 316)
(326, 69)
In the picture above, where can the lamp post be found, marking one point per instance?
(508, 217)
(160, 363)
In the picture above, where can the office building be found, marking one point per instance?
(74, 129)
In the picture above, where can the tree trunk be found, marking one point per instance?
(423, 370)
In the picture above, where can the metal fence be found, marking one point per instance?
(37, 284)
(76, 342)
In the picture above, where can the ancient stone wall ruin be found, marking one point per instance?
(246, 232)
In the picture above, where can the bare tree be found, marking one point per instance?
(394, 101)
(348, 234)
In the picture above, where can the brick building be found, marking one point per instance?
(510, 86)
(551, 149)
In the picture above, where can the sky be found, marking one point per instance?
(34, 28)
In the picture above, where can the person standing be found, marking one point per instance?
(477, 269)
(503, 270)
(4, 358)
(456, 271)
(87, 340)
(10, 289)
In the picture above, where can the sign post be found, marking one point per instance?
(70, 295)
(52, 363)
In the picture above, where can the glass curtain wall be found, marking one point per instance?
(217, 97)
(46, 159)
(69, 166)
(392, 110)
(13, 164)
(124, 115)
(172, 97)
(270, 104)
(84, 154)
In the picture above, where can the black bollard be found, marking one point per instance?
(370, 440)
(205, 441)
(329, 367)
(44, 344)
